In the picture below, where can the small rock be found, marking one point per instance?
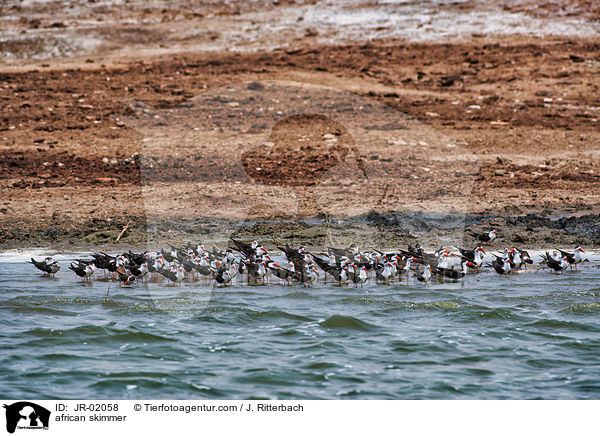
(52, 232)
(576, 58)
(518, 238)
(255, 86)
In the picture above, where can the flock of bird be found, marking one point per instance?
(253, 262)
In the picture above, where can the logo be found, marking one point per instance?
(26, 415)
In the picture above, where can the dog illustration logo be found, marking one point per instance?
(24, 414)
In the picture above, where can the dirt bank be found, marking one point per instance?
(524, 110)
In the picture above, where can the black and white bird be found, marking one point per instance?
(339, 273)
(105, 262)
(515, 258)
(425, 275)
(311, 275)
(82, 269)
(284, 274)
(525, 257)
(222, 275)
(139, 271)
(451, 273)
(359, 276)
(124, 278)
(384, 274)
(176, 274)
(554, 263)
(47, 266)
(476, 255)
(485, 237)
(502, 265)
(573, 258)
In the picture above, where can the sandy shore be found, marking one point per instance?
(266, 120)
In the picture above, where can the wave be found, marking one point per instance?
(92, 334)
(321, 365)
(563, 324)
(61, 357)
(405, 347)
(273, 315)
(593, 307)
(34, 309)
(269, 378)
(499, 313)
(346, 322)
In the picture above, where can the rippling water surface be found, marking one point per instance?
(531, 335)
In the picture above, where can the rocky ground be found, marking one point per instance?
(301, 133)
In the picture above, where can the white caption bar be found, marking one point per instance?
(152, 417)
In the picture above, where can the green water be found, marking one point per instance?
(531, 335)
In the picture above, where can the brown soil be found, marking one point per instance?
(282, 161)
(562, 8)
(527, 110)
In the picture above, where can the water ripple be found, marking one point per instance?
(533, 335)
